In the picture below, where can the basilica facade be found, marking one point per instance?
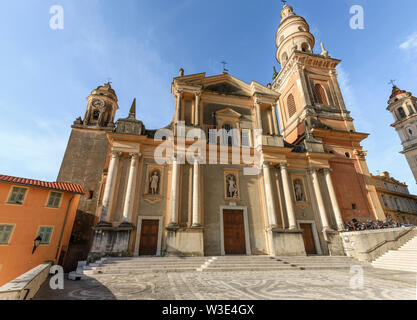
(310, 174)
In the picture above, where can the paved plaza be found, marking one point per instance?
(245, 285)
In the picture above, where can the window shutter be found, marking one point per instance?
(292, 109)
(321, 94)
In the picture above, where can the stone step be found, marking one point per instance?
(154, 263)
(394, 263)
(142, 271)
(408, 269)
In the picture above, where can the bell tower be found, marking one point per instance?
(313, 114)
(84, 162)
(403, 107)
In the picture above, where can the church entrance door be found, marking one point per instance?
(149, 238)
(308, 238)
(234, 232)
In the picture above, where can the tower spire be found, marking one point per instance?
(132, 112)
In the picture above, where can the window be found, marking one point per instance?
(245, 138)
(321, 94)
(354, 206)
(378, 184)
(397, 204)
(384, 201)
(5, 233)
(45, 234)
(90, 195)
(347, 154)
(17, 195)
(305, 47)
(54, 200)
(96, 114)
(292, 109)
(227, 135)
(401, 113)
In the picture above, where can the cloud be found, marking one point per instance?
(410, 43)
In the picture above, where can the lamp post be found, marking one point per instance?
(36, 243)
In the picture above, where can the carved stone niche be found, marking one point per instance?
(154, 182)
(231, 185)
(299, 191)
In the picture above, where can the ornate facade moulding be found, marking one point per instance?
(298, 60)
(340, 135)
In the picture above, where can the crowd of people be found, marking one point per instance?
(356, 225)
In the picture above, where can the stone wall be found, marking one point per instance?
(27, 285)
(369, 245)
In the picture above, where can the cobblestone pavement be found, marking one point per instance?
(280, 285)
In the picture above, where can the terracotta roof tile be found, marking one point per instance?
(60, 186)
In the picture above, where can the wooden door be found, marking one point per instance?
(149, 238)
(234, 232)
(308, 238)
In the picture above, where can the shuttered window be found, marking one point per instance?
(5, 233)
(17, 195)
(54, 200)
(45, 234)
(292, 109)
(321, 94)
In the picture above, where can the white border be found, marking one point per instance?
(138, 234)
(246, 226)
(315, 234)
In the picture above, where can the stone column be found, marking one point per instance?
(305, 96)
(130, 190)
(197, 109)
(258, 114)
(333, 77)
(287, 195)
(174, 193)
(319, 197)
(333, 199)
(196, 195)
(179, 101)
(274, 119)
(270, 201)
(109, 188)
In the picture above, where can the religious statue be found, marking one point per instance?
(232, 188)
(154, 183)
(299, 193)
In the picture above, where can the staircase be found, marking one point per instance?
(403, 259)
(137, 265)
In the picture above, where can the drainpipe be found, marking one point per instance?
(63, 229)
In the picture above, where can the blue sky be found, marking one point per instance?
(141, 44)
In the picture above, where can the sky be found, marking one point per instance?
(139, 45)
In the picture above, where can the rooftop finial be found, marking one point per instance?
(284, 2)
(224, 63)
(181, 72)
(324, 52)
(132, 112)
(392, 82)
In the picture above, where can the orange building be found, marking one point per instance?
(34, 210)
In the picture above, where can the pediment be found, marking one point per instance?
(226, 88)
(228, 113)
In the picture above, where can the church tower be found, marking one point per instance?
(83, 163)
(313, 114)
(403, 107)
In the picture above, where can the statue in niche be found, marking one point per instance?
(299, 193)
(232, 191)
(154, 183)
